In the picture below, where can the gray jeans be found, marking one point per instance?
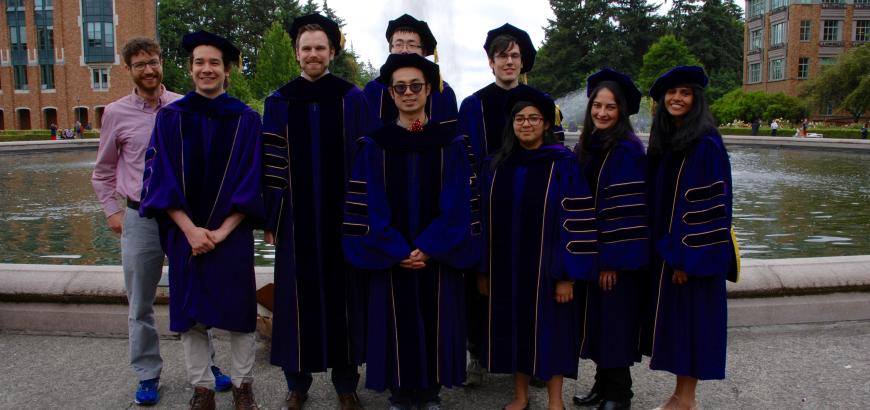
(142, 259)
(198, 349)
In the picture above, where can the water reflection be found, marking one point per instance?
(788, 203)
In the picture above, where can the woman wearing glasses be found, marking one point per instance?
(540, 237)
(690, 209)
(614, 164)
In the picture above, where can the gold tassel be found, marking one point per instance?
(558, 116)
(436, 55)
(525, 78)
(341, 40)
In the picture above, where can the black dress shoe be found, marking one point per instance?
(614, 405)
(593, 398)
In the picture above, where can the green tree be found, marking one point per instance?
(240, 21)
(276, 61)
(638, 27)
(680, 14)
(240, 87)
(577, 43)
(721, 54)
(740, 105)
(663, 55)
(845, 85)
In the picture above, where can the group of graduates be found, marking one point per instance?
(408, 232)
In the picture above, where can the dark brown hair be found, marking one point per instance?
(311, 27)
(500, 44)
(137, 45)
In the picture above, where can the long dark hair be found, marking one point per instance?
(666, 135)
(621, 130)
(509, 137)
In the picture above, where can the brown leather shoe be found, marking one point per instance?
(350, 401)
(243, 397)
(203, 399)
(294, 400)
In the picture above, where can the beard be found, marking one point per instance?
(141, 83)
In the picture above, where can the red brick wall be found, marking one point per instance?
(72, 78)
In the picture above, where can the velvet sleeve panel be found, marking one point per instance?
(368, 240)
(275, 160)
(576, 250)
(700, 241)
(622, 212)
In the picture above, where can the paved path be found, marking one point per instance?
(822, 366)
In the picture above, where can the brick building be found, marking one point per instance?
(60, 60)
(788, 42)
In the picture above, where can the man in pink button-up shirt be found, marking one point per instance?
(117, 181)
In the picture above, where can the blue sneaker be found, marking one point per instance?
(148, 392)
(222, 382)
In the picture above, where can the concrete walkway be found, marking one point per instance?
(820, 366)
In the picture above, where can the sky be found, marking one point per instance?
(460, 26)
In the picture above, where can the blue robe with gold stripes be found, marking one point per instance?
(309, 136)
(691, 231)
(204, 158)
(610, 318)
(538, 228)
(440, 106)
(412, 191)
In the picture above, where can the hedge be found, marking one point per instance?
(848, 133)
(36, 135)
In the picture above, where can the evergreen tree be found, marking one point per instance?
(680, 14)
(721, 54)
(666, 53)
(638, 28)
(276, 62)
(577, 43)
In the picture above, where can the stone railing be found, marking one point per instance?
(777, 46)
(830, 44)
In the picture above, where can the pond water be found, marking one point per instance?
(788, 204)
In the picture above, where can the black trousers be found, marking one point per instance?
(613, 384)
(475, 316)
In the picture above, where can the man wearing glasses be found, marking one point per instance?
(408, 224)
(310, 129)
(482, 120)
(117, 178)
(407, 35)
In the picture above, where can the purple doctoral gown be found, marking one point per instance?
(611, 318)
(204, 158)
(691, 231)
(407, 191)
(538, 229)
(309, 135)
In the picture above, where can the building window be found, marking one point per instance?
(755, 37)
(862, 30)
(806, 30)
(775, 4)
(825, 62)
(756, 8)
(43, 12)
(831, 30)
(100, 78)
(99, 31)
(17, 31)
(803, 68)
(754, 73)
(20, 77)
(47, 73)
(776, 69)
(777, 34)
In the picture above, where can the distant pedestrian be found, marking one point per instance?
(77, 129)
(864, 132)
(774, 125)
(804, 125)
(756, 124)
(53, 128)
